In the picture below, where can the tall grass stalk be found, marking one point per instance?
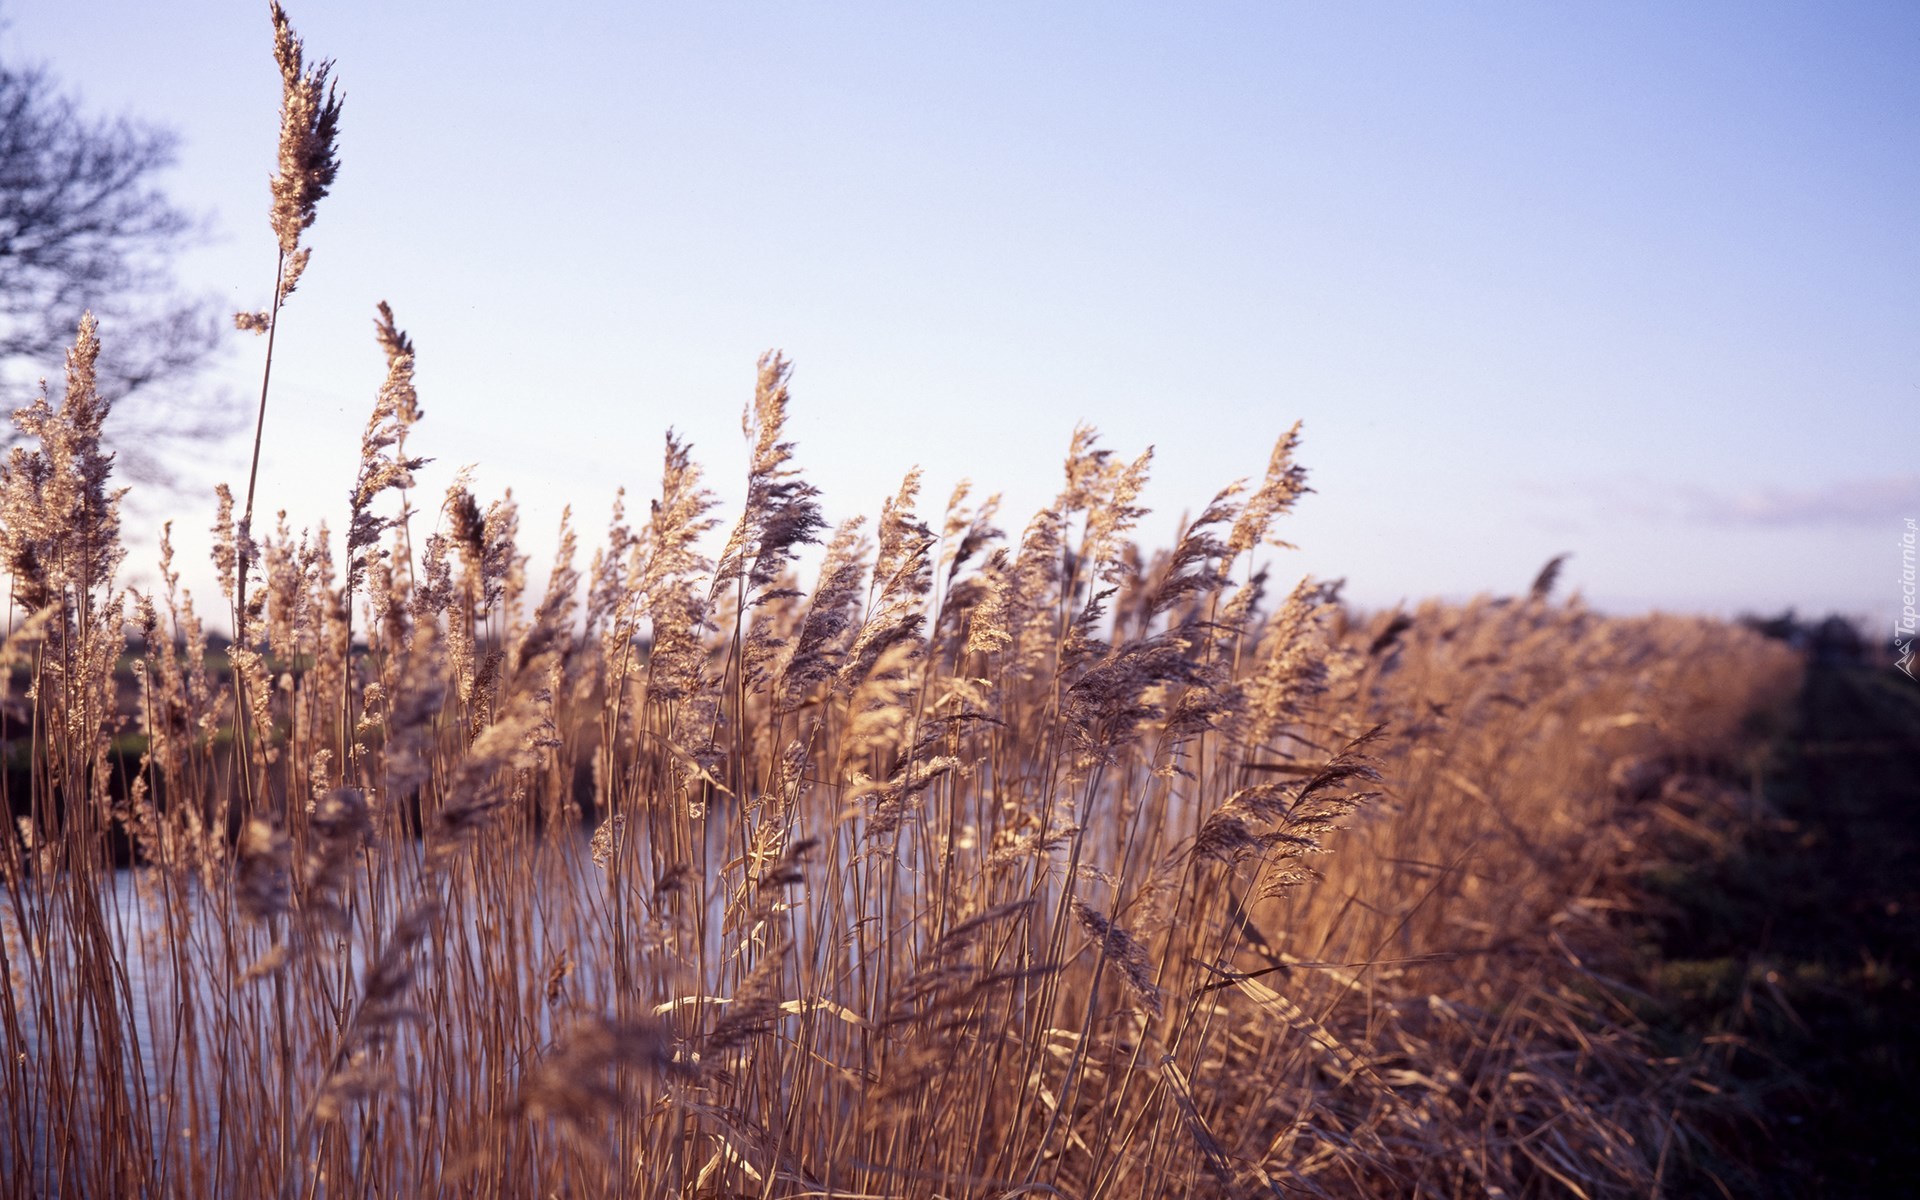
(969, 866)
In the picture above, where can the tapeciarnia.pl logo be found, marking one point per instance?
(1905, 625)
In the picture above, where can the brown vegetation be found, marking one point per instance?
(983, 867)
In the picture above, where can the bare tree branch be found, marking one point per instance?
(83, 227)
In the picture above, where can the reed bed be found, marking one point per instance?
(976, 864)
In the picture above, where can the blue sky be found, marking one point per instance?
(1636, 281)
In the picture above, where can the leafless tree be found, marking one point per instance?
(84, 227)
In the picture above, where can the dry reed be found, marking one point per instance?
(1052, 868)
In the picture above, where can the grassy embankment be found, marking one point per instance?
(1789, 941)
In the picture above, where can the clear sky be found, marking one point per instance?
(1639, 281)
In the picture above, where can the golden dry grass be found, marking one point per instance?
(982, 867)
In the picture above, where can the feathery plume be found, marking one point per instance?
(903, 575)
(355, 1073)
(1016, 609)
(782, 510)
(1285, 483)
(337, 824)
(582, 1081)
(309, 124)
(1548, 576)
(59, 525)
(1299, 815)
(1112, 516)
(1293, 654)
(262, 885)
(1194, 569)
(816, 650)
(966, 530)
(1119, 947)
(681, 613)
(608, 576)
(384, 464)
